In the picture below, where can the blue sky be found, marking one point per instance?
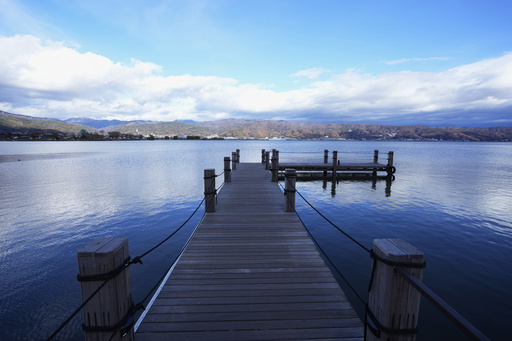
(397, 62)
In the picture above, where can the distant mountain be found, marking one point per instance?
(186, 121)
(27, 124)
(100, 124)
(252, 129)
(164, 129)
(262, 129)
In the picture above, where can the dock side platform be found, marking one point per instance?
(251, 272)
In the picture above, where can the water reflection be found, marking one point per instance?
(334, 183)
(451, 205)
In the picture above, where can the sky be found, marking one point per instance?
(394, 62)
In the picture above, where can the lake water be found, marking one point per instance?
(451, 200)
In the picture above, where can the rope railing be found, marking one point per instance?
(110, 276)
(285, 152)
(326, 256)
(370, 321)
(126, 322)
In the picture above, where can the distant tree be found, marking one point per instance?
(35, 135)
(83, 134)
(114, 135)
(166, 137)
(151, 137)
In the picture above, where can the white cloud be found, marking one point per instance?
(312, 73)
(407, 60)
(51, 79)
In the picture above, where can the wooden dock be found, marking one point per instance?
(338, 169)
(251, 272)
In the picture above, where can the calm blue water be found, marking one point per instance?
(451, 200)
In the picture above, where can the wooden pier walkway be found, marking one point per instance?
(251, 272)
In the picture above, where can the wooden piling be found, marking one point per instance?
(334, 163)
(393, 302)
(267, 160)
(105, 312)
(227, 169)
(209, 190)
(263, 156)
(326, 160)
(390, 159)
(289, 191)
(238, 156)
(390, 168)
(233, 160)
(275, 165)
(376, 156)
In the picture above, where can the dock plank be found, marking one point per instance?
(251, 272)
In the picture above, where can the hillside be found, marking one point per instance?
(163, 129)
(244, 129)
(26, 125)
(306, 130)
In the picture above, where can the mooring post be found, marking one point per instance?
(267, 160)
(263, 156)
(334, 162)
(227, 169)
(326, 156)
(393, 302)
(375, 160)
(390, 168)
(107, 312)
(209, 190)
(289, 189)
(238, 156)
(233, 160)
(275, 165)
(390, 159)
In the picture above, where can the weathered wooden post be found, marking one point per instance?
(267, 160)
(375, 160)
(227, 169)
(107, 311)
(209, 190)
(238, 156)
(390, 159)
(263, 156)
(390, 168)
(334, 163)
(275, 165)
(289, 189)
(326, 160)
(233, 160)
(393, 303)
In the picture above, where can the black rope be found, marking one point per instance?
(107, 275)
(375, 326)
(395, 264)
(281, 152)
(138, 258)
(169, 268)
(376, 258)
(379, 327)
(330, 222)
(63, 324)
(327, 257)
(112, 274)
